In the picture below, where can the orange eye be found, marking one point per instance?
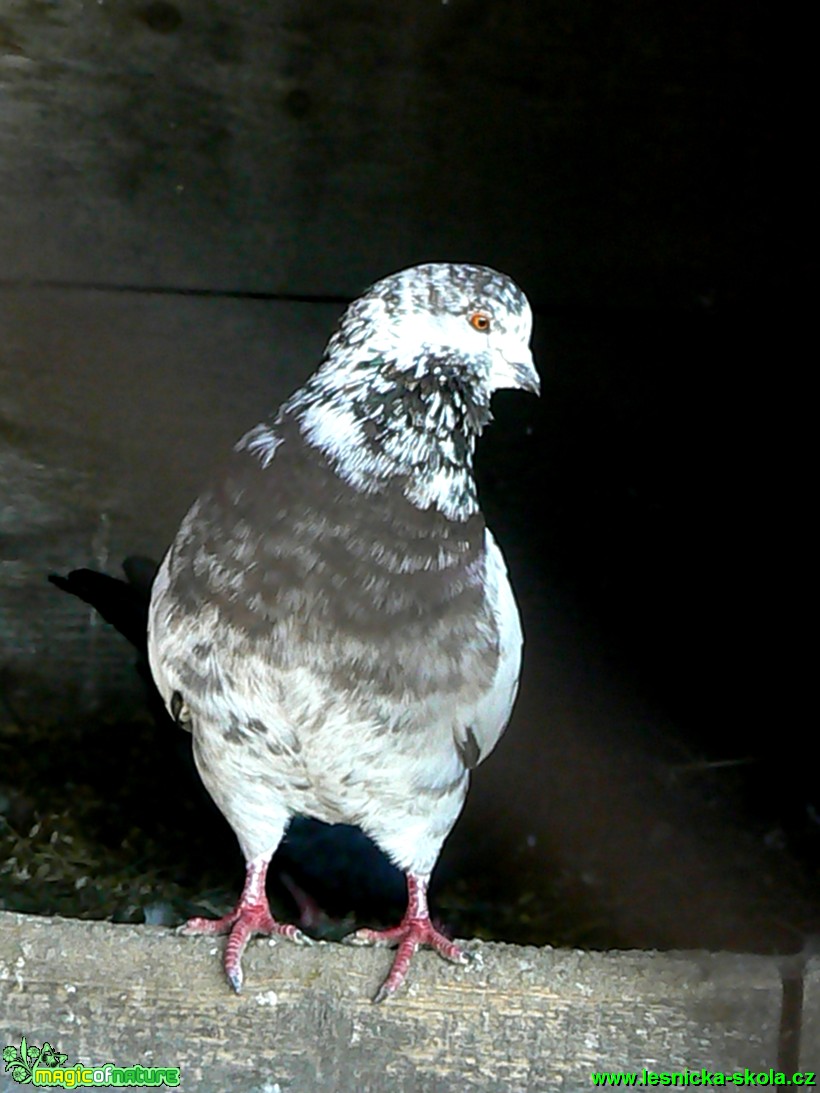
(480, 320)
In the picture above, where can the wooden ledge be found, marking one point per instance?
(517, 1019)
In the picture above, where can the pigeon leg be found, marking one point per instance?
(415, 929)
(250, 916)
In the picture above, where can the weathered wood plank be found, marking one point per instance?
(519, 1019)
(810, 1030)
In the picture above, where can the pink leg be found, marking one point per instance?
(415, 929)
(250, 916)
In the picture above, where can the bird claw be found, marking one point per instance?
(469, 956)
(235, 977)
(301, 939)
(409, 935)
(382, 994)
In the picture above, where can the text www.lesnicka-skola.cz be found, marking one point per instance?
(704, 1078)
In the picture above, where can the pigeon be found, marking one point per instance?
(334, 621)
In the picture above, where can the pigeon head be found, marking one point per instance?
(467, 325)
(405, 383)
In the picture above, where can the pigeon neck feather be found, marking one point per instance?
(379, 420)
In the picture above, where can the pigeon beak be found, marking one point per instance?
(526, 377)
(520, 374)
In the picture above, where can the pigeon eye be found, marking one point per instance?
(480, 320)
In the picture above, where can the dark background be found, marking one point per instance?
(188, 193)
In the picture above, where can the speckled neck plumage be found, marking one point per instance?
(386, 425)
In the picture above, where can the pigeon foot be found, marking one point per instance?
(409, 935)
(250, 917)
(414, 930)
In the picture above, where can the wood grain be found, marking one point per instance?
(518, 1019)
